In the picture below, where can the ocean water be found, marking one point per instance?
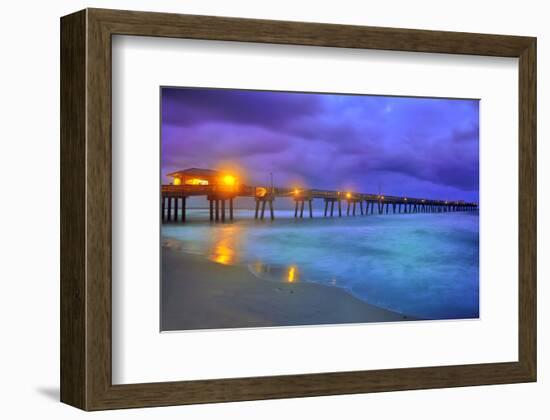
(421, 265)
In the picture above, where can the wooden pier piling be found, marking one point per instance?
(169, 217)
(263, 210)
(184, 209)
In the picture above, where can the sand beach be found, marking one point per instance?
(202, 294)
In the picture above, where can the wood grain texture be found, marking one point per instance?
(309, 385)
(527, 235)
(98, 209)
(73, 212)
(86, 208)
(305, 33)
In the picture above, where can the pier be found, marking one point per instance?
(222, 189)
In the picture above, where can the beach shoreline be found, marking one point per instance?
(198, 294)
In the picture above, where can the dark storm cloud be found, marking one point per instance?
(406, 146)
(195, 106)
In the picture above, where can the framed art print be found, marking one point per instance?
(239, 171)
(262, 209)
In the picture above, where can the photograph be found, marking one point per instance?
(301, 209)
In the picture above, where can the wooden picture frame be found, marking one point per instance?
(86, 208)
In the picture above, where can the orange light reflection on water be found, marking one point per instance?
(285, 274)
(223, 254)
(224, 250)
(225, 246)
(292, 274)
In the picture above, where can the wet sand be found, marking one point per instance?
(200, 294)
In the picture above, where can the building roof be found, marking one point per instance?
(195, 172)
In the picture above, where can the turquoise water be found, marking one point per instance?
(421, 265)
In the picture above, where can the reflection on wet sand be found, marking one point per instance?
(225, 246)
(223, 254)
(225, 250)
(292, 274)
(286, 274)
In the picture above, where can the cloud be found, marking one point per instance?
(417, 146)
(186, 107)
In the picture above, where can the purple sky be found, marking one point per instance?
(415, 147)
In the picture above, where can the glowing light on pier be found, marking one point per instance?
(196, 181)
(348, 195)
(177, 181)
(261, 191)
(229, 180)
